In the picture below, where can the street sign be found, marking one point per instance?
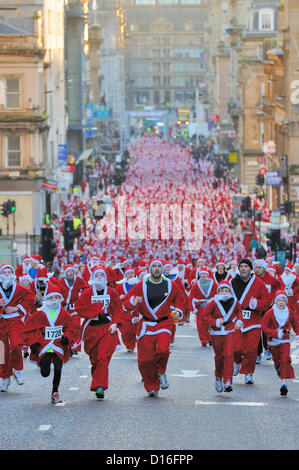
(262, 170)
(273, 178)
(62, 154)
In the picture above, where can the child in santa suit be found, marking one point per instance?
(128, 328)
(276, 324)
(15, 303)
(101, 309)
(71, 287)
(200, 294)
(222, 314)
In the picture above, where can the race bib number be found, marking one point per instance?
(53, 332)
(105, 299)
(246, 314)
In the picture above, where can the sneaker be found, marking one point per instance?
(5, 385)
(100, 393)
(228, 386)
(268, 355)
(152, 393)
(278, 371)
(18, 376)
(130, 350)
(25, 354)
(237, 366)
(55, 398)
(283, 390)
(258, 359)
(219, 384)
(204, 345)
(163, 381)
(249, 379)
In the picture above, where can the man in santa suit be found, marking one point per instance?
(233, 268)
(172, 274)
(39, 286)
(220, 274)
(221, 315)
(277, 324)
(128, 328)
(194, 274)
(15, 303)
(101, 309)
(71, 287)
(23, 268)
(184, 273)
(278, 269)
(254, 298)
(201, 293)
(35, 262)
(273, 285)
(94, 261)
(159, 301)
(290, 283)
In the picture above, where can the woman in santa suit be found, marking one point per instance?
(290, 284)
(101, 309)
(159, 302)
(223, 314)
(50, 333)
(71, 287)
(128, 328)
(277, 324)
(220, 274)
(201, 293)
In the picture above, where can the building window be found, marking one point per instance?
(13, 150)
(12, 93)
(266, 20)
(145, 2)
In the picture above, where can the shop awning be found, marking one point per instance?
(84, 155)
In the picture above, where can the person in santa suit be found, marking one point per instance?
(94, 261)
(277, 267)
(172, 274)
(296, 268)
(194, 274)
(273, 285)
(223, 314)
(39, 287)
(35, 262)
(102, 310)
(254, 298)
(159, 302)
(220, 274)
(23, 268)
(290, 284)
(184, 273)
(15, 303)
(277, 324)
(233, 268)
(71, 287)
(128, 328)
(50, 333)
(200, 294)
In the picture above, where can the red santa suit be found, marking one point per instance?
(222, 335)
(23, 268)
(99, 311)
(70, 294)
(128, 328)
(254, 299)
(154, 330)
(277, 324)
(290, 284)
(198, 300)
(12, 325)
(48, 331)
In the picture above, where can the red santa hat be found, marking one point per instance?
(280, 294)
(42, 274)
(269, 259)
(271, 269)
(288, 267)
(224, 284)
(36, 258)
(68, 267)
(261, 262)
(203, 270)
(53, 290)
(233, 261)
(98, 269)
(220, 262)
(6, 265)
(24, 278)
(129, 269)
(155, 260)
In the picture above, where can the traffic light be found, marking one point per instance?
(287, 207)
(260, 180)
(4, 209)
(273, 239)
(246, 203)
(68, 234)
(47, 244)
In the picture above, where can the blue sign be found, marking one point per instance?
(273, 178)
(62, 154)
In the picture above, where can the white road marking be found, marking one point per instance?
(232, 403)
(189, 374)
(83, 376)
(60, 404)
(44, 427)
(74, 388)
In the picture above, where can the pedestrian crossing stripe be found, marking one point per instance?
(231, 403)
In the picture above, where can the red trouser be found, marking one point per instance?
(12, 341)
(153, 354)
(202, 329)
(128, 334)
(224, 361)
(77, 323)
(99, 344)
(282, 359)
(245, 349)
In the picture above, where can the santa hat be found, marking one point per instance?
(269, 259)
(224, 284)
(98, 269)
(180, 262)
(95, 255)
(233, 261)
(142, 264)
(36, 258)
(68, 267)
(288, 267)
(271, 269)
(167, 263)
(42, 274)
(6, 265)
(53, 290)
(220, 262)
(129, 269)
(261, 262)
(203, 270)
(155, 260)
(25, 277)
(280, 294)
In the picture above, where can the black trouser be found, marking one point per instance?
(45, 368)
(263, 343)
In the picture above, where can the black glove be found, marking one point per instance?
(64, 341)
(34, 347)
